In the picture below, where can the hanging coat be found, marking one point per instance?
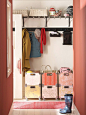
(26, 49)
(35, 46)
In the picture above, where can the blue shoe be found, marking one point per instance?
(68, 104)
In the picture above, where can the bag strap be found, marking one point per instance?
(41, 70)
(47, 69)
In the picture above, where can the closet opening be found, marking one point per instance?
(42, 53)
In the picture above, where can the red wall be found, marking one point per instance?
(79, 39)
(6, 84)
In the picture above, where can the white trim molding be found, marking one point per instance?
(11, 110)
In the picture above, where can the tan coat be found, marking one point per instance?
(26, 49)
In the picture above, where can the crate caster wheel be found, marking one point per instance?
(56, 99)
(43, 99)
(26, 99)
(39, 99)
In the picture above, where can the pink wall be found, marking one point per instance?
(79, 39)
(6, 84)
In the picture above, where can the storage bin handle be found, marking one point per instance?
(49, 74)
(32, 74)
(66, 74)
(66, 86)
(49, 86)
(41, 70)
(49, 67)
(32, 86)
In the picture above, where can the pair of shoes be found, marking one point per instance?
(68, 104)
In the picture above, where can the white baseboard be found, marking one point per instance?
(11, 110)
(76, 110)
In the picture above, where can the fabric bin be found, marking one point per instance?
(32, 91)
(32, 78)
(65, 90)
(49, 92)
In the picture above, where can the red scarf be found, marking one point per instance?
(43, 39)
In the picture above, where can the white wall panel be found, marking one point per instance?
(17, 18)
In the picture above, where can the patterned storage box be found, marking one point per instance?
(32, 78)
(65, 90)
(66, 79)
(32, 91)
(49, 92)
(49, 79)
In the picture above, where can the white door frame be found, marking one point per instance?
(17, 78)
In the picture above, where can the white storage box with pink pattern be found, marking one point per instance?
(32, 78)
(49, 92)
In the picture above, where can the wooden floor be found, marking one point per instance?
(41, 111)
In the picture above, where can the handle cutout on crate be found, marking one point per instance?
(66, 74)
(49, 86)
(66, 86)
(32, 74)
(32, 86)
(49, 74)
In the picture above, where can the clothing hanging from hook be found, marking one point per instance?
(43, 39)
(26, 49)
(35, 46)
